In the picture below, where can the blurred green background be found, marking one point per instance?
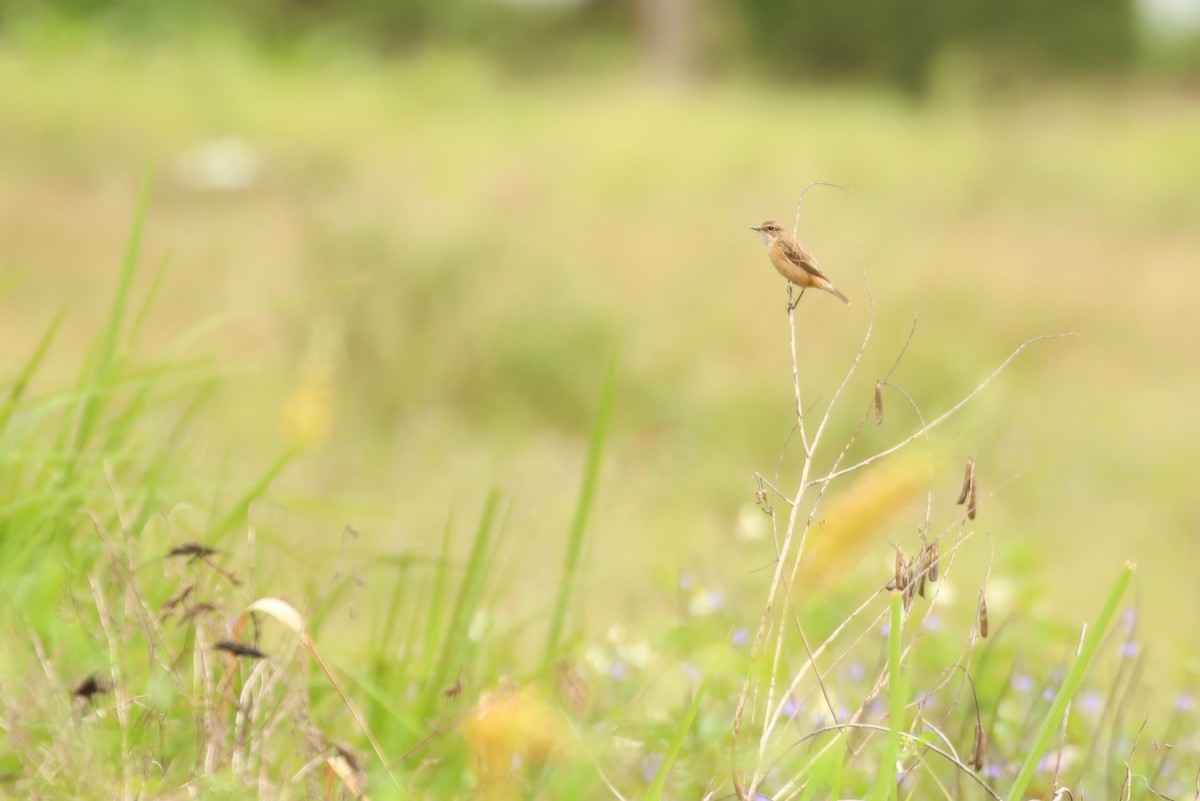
(413, 235)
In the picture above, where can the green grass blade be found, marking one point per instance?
(587, 493)
(464, 606)
(139, 319)
(102, 369)
(242, 507)
(885, 786)
(826, 769)
(437, 606)
(1053, 718)
(30, 368)
(655, 791)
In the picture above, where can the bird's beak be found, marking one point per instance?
(756, 228)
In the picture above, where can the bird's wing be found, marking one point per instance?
(797, 255)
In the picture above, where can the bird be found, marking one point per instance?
(793, 261)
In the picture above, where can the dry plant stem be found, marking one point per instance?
(796, 373)
(944, 416)
(816, 671)
(774, 716)
(882, 680)
(781, 564)
(928, 442)
(770, 616)
(114, 657)
(871, 726)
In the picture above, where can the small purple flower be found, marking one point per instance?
(1129, 617)
(619, 671)
(692, 672)
(933, 622)
(740, 637)
(716, 600)
(650, 764)
(1022, 682)
(992, 770)
(1091, 702)
(856, 671)
(687, 581)
(790, 708)
(1049, 693)
(885, 629)
(1185, 702)
(1130, 649)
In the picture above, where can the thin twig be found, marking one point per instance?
(943, 417)
(906, 735)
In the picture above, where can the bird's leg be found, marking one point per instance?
(792, 304)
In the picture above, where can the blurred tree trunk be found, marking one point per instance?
(666, 28)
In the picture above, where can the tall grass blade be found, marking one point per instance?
(103, 367)
(655, 791)
(886, 786)
(1070, 685)
(35, 360)
(241, 508)
(468, 596)
(437, 607)
(587, 493)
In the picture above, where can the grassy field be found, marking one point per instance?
(397, 286)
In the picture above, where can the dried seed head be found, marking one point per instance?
(91, 686)
(239, 649)
(983, 620)
(933, 561)
(878, 403)
(572, 687)
(979, 747)
(193, 549)
(178, 598)
(968, 480)
(973, 503)
(195, 611)
(901, 580)
(455, 689)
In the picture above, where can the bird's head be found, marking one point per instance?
(769, 231)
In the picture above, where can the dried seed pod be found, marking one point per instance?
(878, 403)
(193, 549)
(455, 689)
(910, 583)
(901, 580)
(933, 561)
(921, 583)
(239, 649)
(196, 611)
(968, 480)
(91, 686)
(983, 620)
(973, 503)
(178, 598)
(978, 749)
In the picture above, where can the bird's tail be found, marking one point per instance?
(834, 290)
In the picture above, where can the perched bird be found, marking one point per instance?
(792, 260)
